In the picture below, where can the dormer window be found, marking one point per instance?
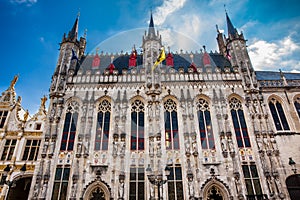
(38, 126)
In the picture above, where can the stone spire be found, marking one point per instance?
(73, 33)
(231, 30)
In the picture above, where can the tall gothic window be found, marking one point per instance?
(137, 184)
(70, 126)
(252, 181)
(103, 122)
(61, 181)
(137, 125)
(278, 115)
(9, 149)
(239, 123)
(297, 105)
(171, 125)
(3, 116)
(205, 127)
(175, 187)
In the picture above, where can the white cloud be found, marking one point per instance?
(275, 55)
(26, 2)
(167, 8)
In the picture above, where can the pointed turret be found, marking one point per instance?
(151, 29)
(231, 30)
(237, 53)
(151, 35)
(73, 33)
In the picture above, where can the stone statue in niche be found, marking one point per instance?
(121, 190)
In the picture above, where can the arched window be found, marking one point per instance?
(70, 125)
(297, 105)
(137, 125)
(102, 129)
(171, 125)
(205, 127)
(278, 115)
(293, 186)
(239, 123)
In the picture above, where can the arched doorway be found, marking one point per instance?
(97, 190)
(19, 189)
(97, 194)
(214, 194)
(215, 189)
(293, 186)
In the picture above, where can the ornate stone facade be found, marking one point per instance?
(198, 126)
(20, 139)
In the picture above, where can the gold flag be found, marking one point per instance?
(161, 57)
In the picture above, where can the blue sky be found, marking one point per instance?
(31, 31)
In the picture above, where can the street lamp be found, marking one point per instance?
(293, 165)
(156, 178)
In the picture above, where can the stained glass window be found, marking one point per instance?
(137, 184)
(137, 141)
(103, 122)
(60, 186)
(175, 185)
(70, 125)
(171, 125)
(239, 123)
(278, 115)
(205, 126)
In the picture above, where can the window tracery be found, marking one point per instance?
(239, 123)
(278, 115)
(171, 125)
(70, 126)
(137, 125)
(205, 126)
(103, 124)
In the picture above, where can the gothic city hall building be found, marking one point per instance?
(154, 124)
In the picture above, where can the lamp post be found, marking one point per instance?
(156, 178)
(293, 165)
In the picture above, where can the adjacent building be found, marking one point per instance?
(198, 125)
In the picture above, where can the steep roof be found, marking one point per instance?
(181, 60)
(271, 75)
